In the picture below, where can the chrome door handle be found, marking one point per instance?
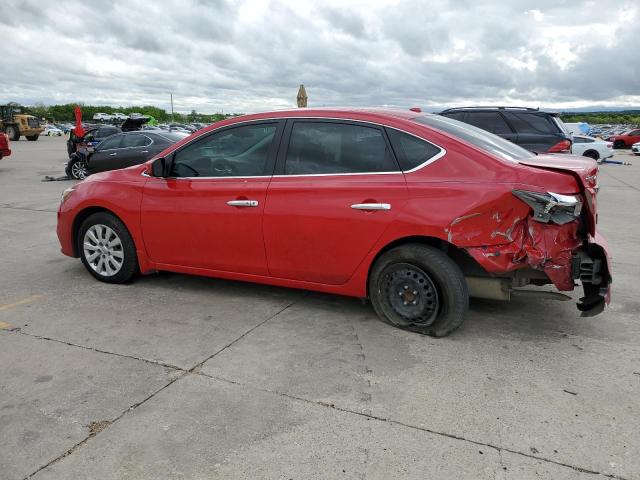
(242, 203)
(112, 154)
(145, 151)
(371, 206)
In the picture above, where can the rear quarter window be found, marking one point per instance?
(411, 151)
(532, 122)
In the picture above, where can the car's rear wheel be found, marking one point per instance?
(107, 249)
(419, 288)
(619, 144)
(77, 168)
(591, 154)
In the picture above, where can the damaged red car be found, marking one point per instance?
(414, 211)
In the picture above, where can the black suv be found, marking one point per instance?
(528, 127)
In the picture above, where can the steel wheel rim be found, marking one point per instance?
(103, 250)
(411, 295)
(79, 169)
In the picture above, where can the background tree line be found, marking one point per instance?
(622, 117)
(65, 113)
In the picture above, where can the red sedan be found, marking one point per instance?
(412, 210)
(625, 139)
(5, 151)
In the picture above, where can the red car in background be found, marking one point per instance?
(625, 139)
(5, 151)
(412, 210)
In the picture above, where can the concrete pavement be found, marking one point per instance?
(192, 378)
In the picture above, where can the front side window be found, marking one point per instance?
(333, 148)
(411, 151)
(235, 152)
(480, 138)
(110, 143)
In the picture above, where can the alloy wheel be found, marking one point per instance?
(79, 170)
(103, 250)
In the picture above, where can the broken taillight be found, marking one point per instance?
(551, 207)
(563, 146)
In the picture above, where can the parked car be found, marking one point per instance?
(591, 147)
(625, 139)
(635, 148)
(414, 211)
(119, 151)
(119, 116)
(51, 131)
(530, 128)
(97, 133)
(5, 151)
(102, 117)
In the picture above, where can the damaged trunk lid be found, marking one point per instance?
(584, 170)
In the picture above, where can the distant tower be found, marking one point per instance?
(302, 97)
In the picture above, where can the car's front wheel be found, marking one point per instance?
(77, 168)
(418, 288)
(107, 249)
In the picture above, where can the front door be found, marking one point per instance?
(209, 213)
(338, 189)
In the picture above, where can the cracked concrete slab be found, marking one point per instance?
(499, 381)
(51, 393)
(203, 428)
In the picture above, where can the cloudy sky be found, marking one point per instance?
(245, 56)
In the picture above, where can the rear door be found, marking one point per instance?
(337, 188)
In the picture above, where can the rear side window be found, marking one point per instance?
(411, 151)
(455, 115)
(482, 139)
(135, 140)
(110, 143)
(532, 122)
(330, 148)
(490, 121)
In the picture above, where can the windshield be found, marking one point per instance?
(482, 139)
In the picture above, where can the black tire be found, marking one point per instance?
(129, 265)
(77, 168)
(591, 154)
(437, 299)
(619, 144)
(33, 138)
(13, 133)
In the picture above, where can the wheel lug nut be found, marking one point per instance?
(406, 287)
(415, 292)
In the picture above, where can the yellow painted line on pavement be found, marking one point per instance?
(5, 326)
(24, 301)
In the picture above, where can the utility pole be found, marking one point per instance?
(171, 94)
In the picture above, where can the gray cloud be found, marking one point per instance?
(251, 55)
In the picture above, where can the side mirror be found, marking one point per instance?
(161, 167)
(158, 167)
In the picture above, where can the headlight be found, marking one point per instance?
(551, 207)
(66, 193)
